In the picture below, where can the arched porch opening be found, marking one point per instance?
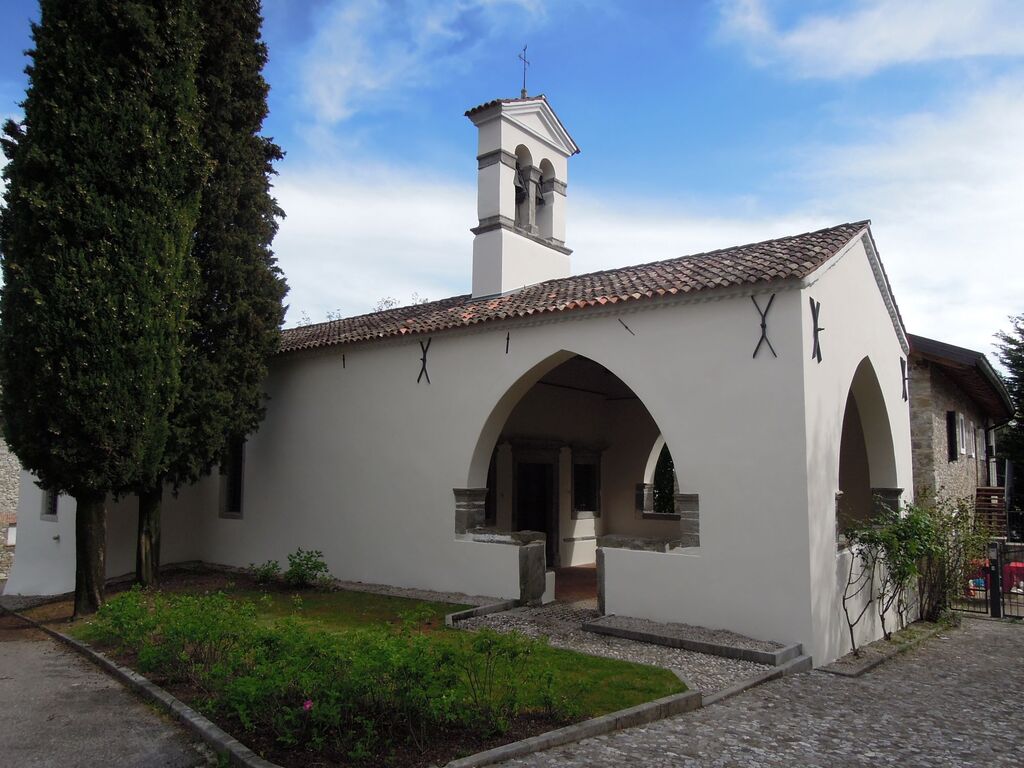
(867, 458)
(560, 460)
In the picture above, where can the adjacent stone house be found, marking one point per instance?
(956, 402)
(10, 474)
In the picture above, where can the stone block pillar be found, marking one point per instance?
(469, 508)
(886, 498)
(687, 506)
(532, 572)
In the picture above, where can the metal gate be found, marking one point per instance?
(995, 587)
(1011, 567)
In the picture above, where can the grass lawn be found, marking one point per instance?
(597, 685)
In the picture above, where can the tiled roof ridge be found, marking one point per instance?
(708, 254)
(496, 102)
(733, 266)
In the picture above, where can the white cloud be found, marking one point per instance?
(367, 52)
(349, 240)
(942, 189)
(875, 34)
(354, 237)
(944, 193)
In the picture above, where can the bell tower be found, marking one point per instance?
(522, 156)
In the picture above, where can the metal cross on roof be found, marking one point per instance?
(526, 63)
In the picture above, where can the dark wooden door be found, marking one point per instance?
(535, 502)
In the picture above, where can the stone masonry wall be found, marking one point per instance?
(932, 395)
(10, 474)
(922, 425)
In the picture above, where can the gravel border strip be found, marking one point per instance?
(889, 651)
(217, 739)
(771, 658)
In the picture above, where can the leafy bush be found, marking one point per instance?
(306, 568)
(267, 573)
(957, 546)
(934, 541)
(126, 622)
(492, 667)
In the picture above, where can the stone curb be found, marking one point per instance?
(791, 667)
(615, 721)
(451, 619)
(771, 658)
(218, 740)
(890, 652)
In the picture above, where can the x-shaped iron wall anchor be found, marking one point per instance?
(906, 378)
(423, 362)
(816, 349)
(764, 325)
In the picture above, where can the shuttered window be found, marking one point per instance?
(952, 430)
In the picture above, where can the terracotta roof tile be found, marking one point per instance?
(793, 257)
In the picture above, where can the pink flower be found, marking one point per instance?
(307, 705)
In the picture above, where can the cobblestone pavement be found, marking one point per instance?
(60, 710)
(562, 624)
(954, 701)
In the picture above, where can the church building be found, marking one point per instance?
(488, 442)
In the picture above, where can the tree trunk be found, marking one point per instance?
(90, 553)
(147, 550)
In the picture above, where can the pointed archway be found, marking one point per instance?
(867, 457)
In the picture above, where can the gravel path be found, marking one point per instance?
(561, 623)
(953, 702)
(60, 710)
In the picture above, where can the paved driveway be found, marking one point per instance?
(56, 709)
(958, 700)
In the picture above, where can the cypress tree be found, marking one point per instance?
(238, 312)
(1010, 351)
(100, 208)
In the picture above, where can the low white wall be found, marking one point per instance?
(709, 591)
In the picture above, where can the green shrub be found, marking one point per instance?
(267, 573)
(306, 568)
(492, 666)
(362, 692)
(125, 621)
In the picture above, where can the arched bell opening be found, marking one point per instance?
(546, 200)
(525, 190)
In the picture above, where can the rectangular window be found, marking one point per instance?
(972, 439)
(586, 489)
(962, 433)
(952, 453)
(50, 499)
(232, 473)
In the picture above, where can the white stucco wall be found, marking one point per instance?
(45, 563)
(857, 326)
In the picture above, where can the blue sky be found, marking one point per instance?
(702, 125)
